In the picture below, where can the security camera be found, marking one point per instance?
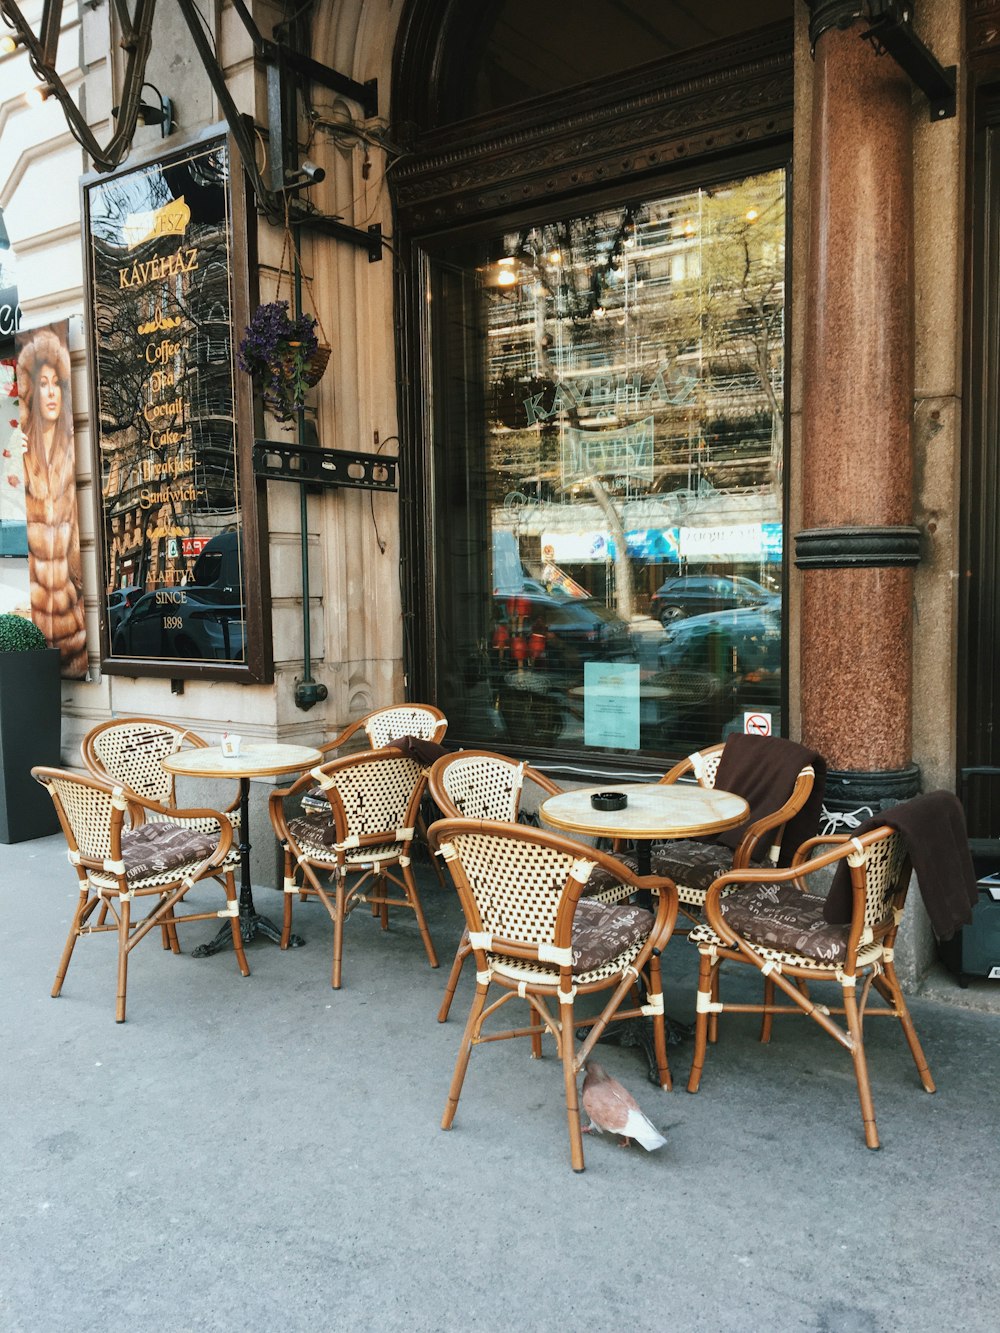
(311, 171)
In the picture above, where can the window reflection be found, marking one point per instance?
(619, 412)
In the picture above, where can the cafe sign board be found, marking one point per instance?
(172, 419)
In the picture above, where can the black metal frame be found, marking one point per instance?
(258, 667)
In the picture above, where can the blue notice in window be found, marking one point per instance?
(611, 704)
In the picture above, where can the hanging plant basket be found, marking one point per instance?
(284, 357)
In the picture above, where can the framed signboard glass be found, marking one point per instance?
(183, 582)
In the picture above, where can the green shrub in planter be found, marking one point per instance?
(30, 715)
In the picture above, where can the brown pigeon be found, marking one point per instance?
(611, 1107)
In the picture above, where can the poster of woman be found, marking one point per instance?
(54, 570)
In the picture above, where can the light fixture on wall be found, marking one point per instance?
(161, 113)
(9, 44)
(34, 97)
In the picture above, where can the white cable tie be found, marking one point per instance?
(888, 955)
(404, 860)
(447, 850)
(301, 859)
(772, 965)
(866, 936)
(552, 953)
(115, 867)
(324, 779)
(74, 858)
(705, 1004)
(566, 997)
(897, 915)
(484, 978)
(127, 896)
(405, 834)
(481, 939)
(522, 989)
(823, 1009)
(230, 909)
(353, 841)
(845, 980)
(290, 886)
(653, 1005)
(188, 882)
(581, 870)
(697, 765)
(118, 799)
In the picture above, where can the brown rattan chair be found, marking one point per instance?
(479, 784)
(382, 726)
(769, 920)
(129, 750)
(120, 857)
(362, 837)
(695, 865)
(535, 936)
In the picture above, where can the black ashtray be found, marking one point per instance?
(609, 800)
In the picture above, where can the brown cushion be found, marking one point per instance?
(156, 849)
(601, 931)
(314, 828)
(781, 916)
(692, 864)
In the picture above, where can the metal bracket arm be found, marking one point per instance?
(280, 460)
(890, 31)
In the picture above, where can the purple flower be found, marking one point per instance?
(276, 351)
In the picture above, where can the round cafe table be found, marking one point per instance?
(255, 760)
(654, 811)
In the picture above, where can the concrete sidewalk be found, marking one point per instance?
(264, 1153)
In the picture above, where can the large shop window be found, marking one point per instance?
(608, 449)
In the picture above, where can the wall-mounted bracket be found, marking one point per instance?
(305, 463)
(890, 31)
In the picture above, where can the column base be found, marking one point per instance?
(854, 795)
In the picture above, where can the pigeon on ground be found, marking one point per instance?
(612, 1107)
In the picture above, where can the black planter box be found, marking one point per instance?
(30, 717)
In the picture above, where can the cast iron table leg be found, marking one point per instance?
(251, 921)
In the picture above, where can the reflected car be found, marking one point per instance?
(206, 625)
(539, 648)
(717, 667)
(696, 594)
(119, 602)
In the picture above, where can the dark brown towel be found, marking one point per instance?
(763, 769)
(933, 828)
(414, 747)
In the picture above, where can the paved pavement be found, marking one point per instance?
(264, 1153)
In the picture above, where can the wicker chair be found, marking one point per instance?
(694, 865)
(769, 920)
(534, 936)
(382, 726)
(129, 749)
(118, 862)
(363, 835)
(479, 784)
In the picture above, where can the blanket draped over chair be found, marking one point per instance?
(936, 838)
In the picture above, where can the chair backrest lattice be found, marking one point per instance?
(883, 878)
(129, 751)
(482, 786)
(516, 885)
(707, 766)
(88, 811)
(379, 793)
(389, 724)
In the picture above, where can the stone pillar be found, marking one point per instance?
(858, 545)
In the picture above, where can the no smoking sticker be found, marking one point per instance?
(757, 724)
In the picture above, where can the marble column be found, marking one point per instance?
(858, 545)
